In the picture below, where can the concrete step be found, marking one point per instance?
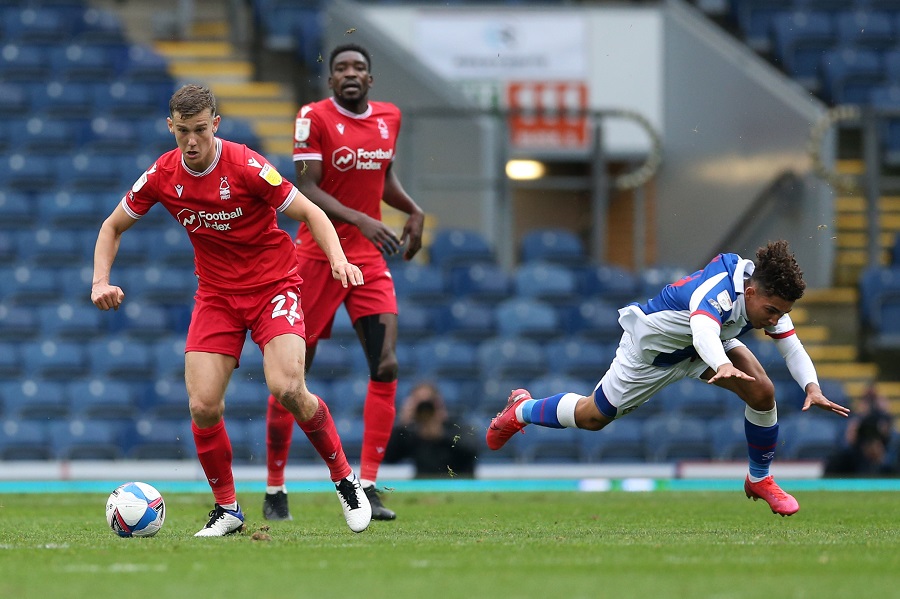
(194, 50)
(251, 90)
(269, 110)
(212, 71)
(830, 353)
(848, 371)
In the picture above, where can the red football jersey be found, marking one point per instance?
(229, 213)
(355, 151)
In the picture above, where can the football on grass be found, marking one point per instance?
(135, 510)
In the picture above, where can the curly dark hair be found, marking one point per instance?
(777, 272)
(349, 48)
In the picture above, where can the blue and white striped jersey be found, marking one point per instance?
(661, 327)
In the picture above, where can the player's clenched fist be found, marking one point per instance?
(107, 296)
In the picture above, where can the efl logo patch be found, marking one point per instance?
(271, 176)
(301, 129)
(724, 300)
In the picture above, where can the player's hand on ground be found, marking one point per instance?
(412, 234)
(381, 235)
(348, 274)
(815, 398)
(730, 371)
(107, 296)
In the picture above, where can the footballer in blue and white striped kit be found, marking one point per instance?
(691, 329)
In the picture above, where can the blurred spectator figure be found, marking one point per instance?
(422, 437)
(868, 440)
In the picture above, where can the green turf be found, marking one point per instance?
(467, 545)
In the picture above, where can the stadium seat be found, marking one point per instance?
(36, 25)
(168, 356)
(155, 137)
(99, 399)
(676, 437)
(24, 440)
(169, 400)
(457, 247)
(22, 63)
(97, 26)
(135, 100)
(593, 319)
(246, 399)
(621, 441)
(29, 285)
(887, 97)
(543, 445)
(866, 29)
(45, 247)
(483, 281)
(727, 438)
(769, 357)
(28, 172)
(347, 395)
(754, 18)
(120, 358)
(653, 279)
(89, 172)
(155, 285)
(351, 433)
(17, 323)
(141, 320)
(611, 283)
(162, 439)
(510, 358)
(62, 209)
(332, 361)
(582, 359)
(342, 331)
(239, 131)
(114, 138)
(559, 246)
(54, 359)
(15, 101)
(414, 321)
(10, 361)
(696, 399)
(800, 38)
(16, 210)
(465, 320)
(420, 283)
(35, 399)
(146, 65)
(80, 62)
(554, 383)
(443, 358)
(809, 436)
(87, 439)
(850, 74)
(251, 364)
(552, 283)
(527, 317)
(173, 247)
(74, 321)
(60, 99)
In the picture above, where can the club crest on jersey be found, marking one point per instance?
(301, 129)
(271, 176)
(715, 305)
(383, 129)
(724, 300)
(224, 189)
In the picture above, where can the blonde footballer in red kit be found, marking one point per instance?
(344, 147)
(226, 196)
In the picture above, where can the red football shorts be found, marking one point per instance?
(323, 295)
(219, 322)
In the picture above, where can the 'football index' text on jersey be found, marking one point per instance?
(345, 159)
(192, 220)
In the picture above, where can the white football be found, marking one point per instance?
(135, 510)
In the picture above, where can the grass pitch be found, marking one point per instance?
(470, 545)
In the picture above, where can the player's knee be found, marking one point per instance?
(385, 371)
(761, 394)
(206, 414)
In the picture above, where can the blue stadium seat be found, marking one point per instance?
(24, 440)
(71, 210)
(96, 26)
(169, 400)
(141, 320)
(9, 248)
(727, 438)
(30, 285)
(612, 283)
(89, 172)
(62, 99)
(168, 356)
(54, 360)
(621, 441)
(239, 131)
(769, 357)
(115, 139)
(50, 247)
(420, 283)
(442, 358)
(99, 399)
(10, 361)
(866, 29)
(457, 247)
(809, 436)
(36, 25)
(251, 363)
(87, 439)
(552, 283)
(696, 399)
(155, 137)
(850, 74)
(543, 445)
(135, 100)
(23, 63)
(887, 97)
(342, 331)
(527, 317)
(653, 279)
(17, 323)
(155, 285)
(40, 137)
(559, 246)
(592, 320)
(754, 19)
(14, 100)
(465, 320)
(347, 395)
(75, 283)
(35, 399)
(80, 62)
(16, 210)
(800, 39)
(676, 438)
(28, 172)
(75, 321)
(173, 247)
(351, 433)
(583, 359)
(483, 281)
(163, 439)
(121, 358)
(146, 65)
(245, 399)
(333, 361)
(510, 358)
(553, 383)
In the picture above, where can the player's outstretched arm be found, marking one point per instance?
(814, 397)
(104, 295)
(303, 210)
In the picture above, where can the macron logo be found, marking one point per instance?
(343, 159)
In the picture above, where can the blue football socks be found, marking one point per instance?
(761, 443)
